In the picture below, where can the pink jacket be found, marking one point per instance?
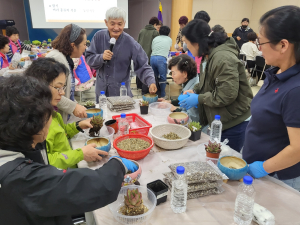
(3, 61)
(14, 47)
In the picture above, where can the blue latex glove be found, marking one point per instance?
(182, 97)
(128, 163)
(257, 170)
(190, 102)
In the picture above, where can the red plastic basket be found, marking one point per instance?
(144, 125)
(134, 155)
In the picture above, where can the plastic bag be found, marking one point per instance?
(197, 172)
(169, 177)
(198, 194)
(15, 60)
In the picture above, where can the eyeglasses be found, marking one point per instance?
(60, 90)
(259, 44)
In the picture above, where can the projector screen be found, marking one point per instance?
(85, 13)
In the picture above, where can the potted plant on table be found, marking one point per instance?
(89, 104)
(144, 106)
(97, 122)
(195, 128)
(213, 150)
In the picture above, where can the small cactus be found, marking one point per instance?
(194, 126)
(89, 103)
(144, 103)
(213, 147)
(97, 122)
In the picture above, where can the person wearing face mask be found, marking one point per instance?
(113, 67)
(223, 88)
(60, 153)
(32, 192)
(70, 43)
(182, 23)
(15, 45)
(240, 33)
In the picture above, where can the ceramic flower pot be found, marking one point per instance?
(144, 109)
(234, 168)
(113, 124)
(150, 98)
(178, 118)
(94, 112)
(131, 178)
(195, 136)
(160, 189)
(212, 155)
(103, 144)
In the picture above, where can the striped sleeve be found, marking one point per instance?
(25, 47)
(9, 54)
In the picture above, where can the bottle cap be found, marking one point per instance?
(123, 115)
(123, 83)
(102, 92)
(180, 170)
(248, 180)
(217, 117)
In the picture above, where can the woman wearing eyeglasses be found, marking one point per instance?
(60, 153)
(272, 143)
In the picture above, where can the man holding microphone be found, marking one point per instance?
(113, 67)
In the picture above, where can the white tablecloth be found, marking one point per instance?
(280, 199)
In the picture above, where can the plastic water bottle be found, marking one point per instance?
(216, 129)
(123, 125)
(243, 213)
(179, 192)
(103, 104)
(123, 90)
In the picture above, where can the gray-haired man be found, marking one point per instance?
(113, 67)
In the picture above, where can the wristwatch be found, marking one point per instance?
(78, 127)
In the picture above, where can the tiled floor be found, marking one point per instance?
(174, 91)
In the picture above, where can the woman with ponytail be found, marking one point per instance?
(223, 88)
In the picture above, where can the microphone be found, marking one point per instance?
(112, 43)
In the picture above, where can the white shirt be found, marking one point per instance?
(250, 50)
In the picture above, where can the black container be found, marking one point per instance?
(144, 109)
(195, 136)
(90, 107)
(160, 189)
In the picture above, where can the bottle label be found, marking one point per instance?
(162, 195)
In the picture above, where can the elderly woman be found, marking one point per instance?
(33, 192)
(182, 23)
(184, 72)
(60, 153)
(70, 43)
(223, 89)
(272, 137)
(113, 67)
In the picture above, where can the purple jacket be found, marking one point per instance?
(110, 75)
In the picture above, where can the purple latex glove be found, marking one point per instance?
(190, 102)
(257, 170)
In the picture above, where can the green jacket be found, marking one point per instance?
(60, 153)
(223, 88)
(146, 37)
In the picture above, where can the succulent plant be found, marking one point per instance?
(213, 147)
(89, 103)
(194, 126)
(36, 42)
(49, 40)
(97, 122)
(144, 103)
(133, 198)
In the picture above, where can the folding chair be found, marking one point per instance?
(259, 62)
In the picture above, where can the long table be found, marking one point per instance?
(282, 200)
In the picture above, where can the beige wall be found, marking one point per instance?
(229, 13)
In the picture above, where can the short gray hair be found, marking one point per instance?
(115, 13)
